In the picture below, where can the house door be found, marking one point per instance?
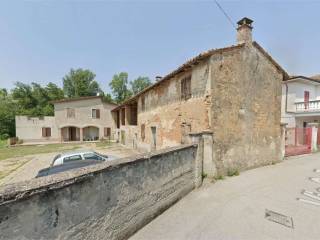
(154, 138)
(72, 134)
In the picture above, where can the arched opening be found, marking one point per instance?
(91, 133)
(70, 133)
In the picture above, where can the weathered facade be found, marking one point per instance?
(234, 93)
(78, 119)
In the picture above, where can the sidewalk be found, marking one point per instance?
(234, 208)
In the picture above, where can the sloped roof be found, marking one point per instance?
(196, 60)
(187, 65)
(312, 79)
(81, 99)
(316, 77)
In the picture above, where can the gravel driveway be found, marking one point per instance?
(25, 168)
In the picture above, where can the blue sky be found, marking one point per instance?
(41, 40)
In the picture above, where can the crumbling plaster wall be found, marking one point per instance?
(172, 116)
(110, 200)
(246, 103)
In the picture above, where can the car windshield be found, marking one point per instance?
(92, 156)
(55, 158)
(72, 158)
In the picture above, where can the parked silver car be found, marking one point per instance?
(75, 159)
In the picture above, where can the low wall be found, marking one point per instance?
(111, 200)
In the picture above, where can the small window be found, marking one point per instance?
(72, 158)
(154, 138)
(123, 116)
(143, 132)
(46, 132)
(186, 88)
(107, 132)
(95, 113)
(92, 156)
(71, 113)
(143, 103)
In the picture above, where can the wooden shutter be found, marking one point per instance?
(48, 132)
(43, 132)
(97, 113)
(143, 132)
(107, 132)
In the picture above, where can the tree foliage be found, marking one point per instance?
(120, 89)
(35, 100)
(119, 86)
(139, 84)
(8, 109)
(79, 83)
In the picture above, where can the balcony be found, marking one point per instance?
(310, 106)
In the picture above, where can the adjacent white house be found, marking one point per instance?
(300, 101)
(75, 119)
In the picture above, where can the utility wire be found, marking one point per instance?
(225, 14)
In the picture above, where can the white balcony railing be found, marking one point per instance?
(311, 106)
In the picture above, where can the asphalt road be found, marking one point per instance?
(235, 208)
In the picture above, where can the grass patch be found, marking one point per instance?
(21, 151)
(233, 172)
(3, 143)
(219, 177)
(104, 143)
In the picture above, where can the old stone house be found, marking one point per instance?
(231, 96)
(76, 119)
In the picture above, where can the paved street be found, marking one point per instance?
(234, 208)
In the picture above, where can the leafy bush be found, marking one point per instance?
(4, 136)
(233, 172)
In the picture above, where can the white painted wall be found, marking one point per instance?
(29, 129)
(293, 92)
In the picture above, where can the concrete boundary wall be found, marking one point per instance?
(111, 200)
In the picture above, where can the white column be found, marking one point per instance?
(196, 138)
(81, 134)
(283, 139)
(314, 136)
(209, 167)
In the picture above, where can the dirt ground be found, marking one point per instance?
(19, 169)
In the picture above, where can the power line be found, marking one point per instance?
(225, 14)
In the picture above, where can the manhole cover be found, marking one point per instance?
(279, 218)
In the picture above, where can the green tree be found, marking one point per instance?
(54, 92)
(35, 100)
(119, 86)
(8, 109)
(139, 84)
(108, 98)
(22, 93)
(3, 93)
(79, 83)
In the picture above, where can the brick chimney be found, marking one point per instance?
(244, 34)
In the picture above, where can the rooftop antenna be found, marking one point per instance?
(225, 14)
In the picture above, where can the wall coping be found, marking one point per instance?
(201, 133)
(16, 191)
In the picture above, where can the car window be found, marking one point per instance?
(72, 158)
(92, 156)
